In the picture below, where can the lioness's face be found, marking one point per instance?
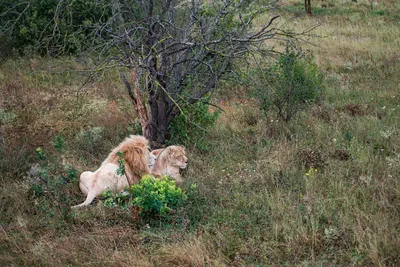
(178, 156)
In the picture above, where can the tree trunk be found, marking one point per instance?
(307, 6)
(140, 107)
(154, 125)
(137, 102)
(158, 117)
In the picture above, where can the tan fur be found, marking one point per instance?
(169, 161)
(137, 161)
(156, 152)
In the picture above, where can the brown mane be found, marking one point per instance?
(134, 149)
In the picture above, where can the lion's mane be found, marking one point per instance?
(135, 151)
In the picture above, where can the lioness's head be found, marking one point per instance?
(169, 161)
(177, 156)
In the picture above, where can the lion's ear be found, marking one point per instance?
(157, 152)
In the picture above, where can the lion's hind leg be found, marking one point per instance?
(85, 181)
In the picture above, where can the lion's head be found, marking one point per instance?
(177, 156)
(137, 157)
(169, 161)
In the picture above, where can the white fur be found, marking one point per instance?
(93, 184)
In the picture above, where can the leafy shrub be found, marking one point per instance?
(192, 125)
(153, 196)
(52, 185)
(290, 85)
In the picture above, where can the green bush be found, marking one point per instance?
(290, 85)
(53, 186)
(192, 125)
(50, 26)
(153, 196)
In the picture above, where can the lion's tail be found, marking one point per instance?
(88, 200)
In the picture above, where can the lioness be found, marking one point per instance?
(169, 161)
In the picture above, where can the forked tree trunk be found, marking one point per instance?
(154, 122)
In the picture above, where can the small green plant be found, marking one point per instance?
(40, 153)
(312, 172)
(59, 143)
(121, 163)
(157, 196)
(153, 196)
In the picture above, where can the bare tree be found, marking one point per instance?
(177, 51)
(173, 52)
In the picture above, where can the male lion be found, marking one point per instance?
(169, 161)
(137, 161)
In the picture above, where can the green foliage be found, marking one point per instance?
(50, 26)
(192, 125)
(153, 196)
(40, 153)
(52, 186)
(157, 196)
(59, 143)
(290, 85)
(121, 163)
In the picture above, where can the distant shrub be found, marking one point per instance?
(90, 139)
(48, 26)
(6, 117)
(153, 197)
(290, 85)
(192, 125)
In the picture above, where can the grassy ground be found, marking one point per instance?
(258, 203)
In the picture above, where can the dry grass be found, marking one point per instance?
(255, 204)
(190, 252)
